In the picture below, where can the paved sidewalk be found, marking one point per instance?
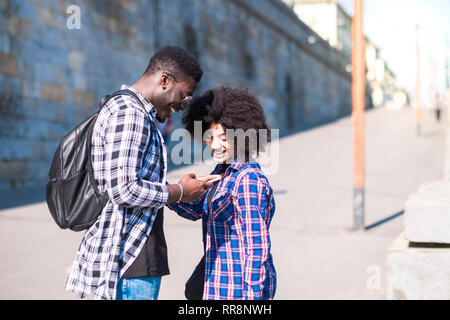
(315, 253)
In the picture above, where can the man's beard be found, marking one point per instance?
(162, 103)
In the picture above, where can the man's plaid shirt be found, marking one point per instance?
(129, 162)
(239, 264)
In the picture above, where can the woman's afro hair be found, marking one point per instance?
(233, 108)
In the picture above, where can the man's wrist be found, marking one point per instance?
(174, 192)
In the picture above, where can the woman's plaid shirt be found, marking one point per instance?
(236, 233)
(129, 162)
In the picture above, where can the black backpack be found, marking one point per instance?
(72, 192)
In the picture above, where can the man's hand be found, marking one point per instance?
(192, 187)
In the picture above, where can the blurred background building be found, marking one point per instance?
(446, 97)
(52, 76)
(329, 19)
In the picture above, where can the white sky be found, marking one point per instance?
(390, 24)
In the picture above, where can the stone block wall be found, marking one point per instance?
(51, 77)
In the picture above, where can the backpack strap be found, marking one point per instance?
(128, 92)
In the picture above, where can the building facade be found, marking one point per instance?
(329, 20)
(334, 25)
(59, 57)
(381, 79)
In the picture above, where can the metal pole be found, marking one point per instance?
(447, 65)
(418, 98)
(358, 106)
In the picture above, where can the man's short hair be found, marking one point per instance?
(176, 60)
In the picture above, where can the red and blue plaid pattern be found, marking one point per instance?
(239, 264)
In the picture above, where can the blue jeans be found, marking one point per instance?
(140, 288)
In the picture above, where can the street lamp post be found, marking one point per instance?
(358, 106)
(418, 102)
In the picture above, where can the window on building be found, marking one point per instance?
(288, 89)
(249, 66)
(190, 40)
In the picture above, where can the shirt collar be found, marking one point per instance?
(236, 165)
(147, 105)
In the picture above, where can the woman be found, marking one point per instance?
(238, 209)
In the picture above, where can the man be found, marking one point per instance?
(438, 107)
(123, 254)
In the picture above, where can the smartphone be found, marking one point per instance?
(210, 178)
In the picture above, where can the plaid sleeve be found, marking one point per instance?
(126, 140)
(191, 211)
(252, 204)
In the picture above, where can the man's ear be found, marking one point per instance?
(164, 80)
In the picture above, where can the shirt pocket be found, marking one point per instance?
(222, 208)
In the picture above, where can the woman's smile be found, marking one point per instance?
(220, 147)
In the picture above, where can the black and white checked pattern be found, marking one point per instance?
(130, 163)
